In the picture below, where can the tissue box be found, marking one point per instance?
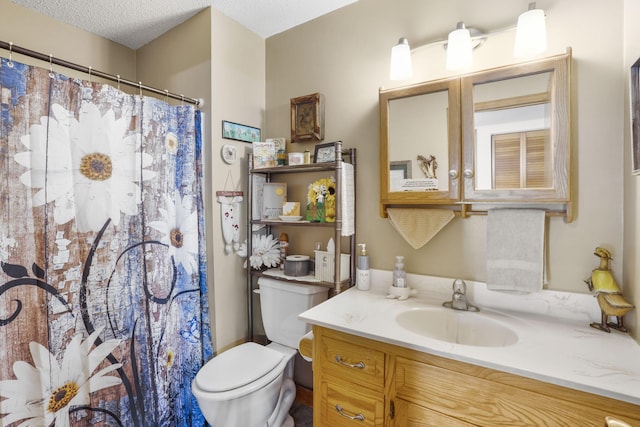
(325, 266)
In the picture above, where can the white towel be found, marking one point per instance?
(515, 250)
(348, 199)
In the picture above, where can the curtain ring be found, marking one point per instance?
(118, 76)
(140, 85)
(166, 96)
(90, 74)
(10, 62)
(51, 73)
(182, 96)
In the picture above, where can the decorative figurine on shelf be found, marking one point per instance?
(428, 165)
(608, 294)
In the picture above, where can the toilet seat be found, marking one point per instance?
(240, 371)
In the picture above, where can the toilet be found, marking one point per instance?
(252, 385)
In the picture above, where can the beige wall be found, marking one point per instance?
(345, 55)
(631, 183)
(238, 88)
(34, 31)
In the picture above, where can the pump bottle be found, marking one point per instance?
(362, 270)
(399, 275)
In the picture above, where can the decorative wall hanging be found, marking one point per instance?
(240, 132)
(230, 216)
(307, 118)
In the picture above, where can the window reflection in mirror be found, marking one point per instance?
(418, 142)
(512, 119)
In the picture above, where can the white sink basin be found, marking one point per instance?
(458, 327)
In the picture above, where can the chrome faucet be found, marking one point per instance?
(459, 298)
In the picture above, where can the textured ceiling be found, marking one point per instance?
(134, 23)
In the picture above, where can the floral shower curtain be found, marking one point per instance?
(103, 296)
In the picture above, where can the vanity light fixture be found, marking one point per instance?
(459, 48)
(531, 33)
(401, 68)
(531, 39)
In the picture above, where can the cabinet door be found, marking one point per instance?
(409, 414)
(344, 405)
(483, 402)
(420, 144)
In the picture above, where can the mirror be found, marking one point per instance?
(420, 142)
(512, 120)
(516, 132)
(500, 135)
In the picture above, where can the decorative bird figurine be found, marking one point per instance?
(608, 294)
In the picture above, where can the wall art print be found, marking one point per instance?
(103, 295)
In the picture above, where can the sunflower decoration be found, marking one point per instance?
(321, 200)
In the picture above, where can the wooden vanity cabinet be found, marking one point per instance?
(349, 380)
(399, 387)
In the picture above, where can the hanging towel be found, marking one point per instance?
(348, 199)
(515, 250)
(416, 225)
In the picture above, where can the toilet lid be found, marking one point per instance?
(237, 367)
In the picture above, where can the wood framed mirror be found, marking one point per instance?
(516, 133)
(497, 136)
(420, 144)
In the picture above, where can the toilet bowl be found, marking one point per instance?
(252, 385)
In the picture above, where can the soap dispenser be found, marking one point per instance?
(399, 275)
(363, 279)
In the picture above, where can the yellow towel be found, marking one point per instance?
(416, 225)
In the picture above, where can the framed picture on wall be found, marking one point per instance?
(635, 117)
(307, 118)
(238, 132)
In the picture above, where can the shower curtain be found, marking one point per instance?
(103, 295)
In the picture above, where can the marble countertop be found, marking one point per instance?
(555, 342)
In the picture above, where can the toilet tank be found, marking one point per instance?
(281, 302)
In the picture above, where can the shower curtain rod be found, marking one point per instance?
(88, 70)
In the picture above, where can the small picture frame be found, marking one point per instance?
(239, 132)
(324, 153)
(403, 167)
(307, 118)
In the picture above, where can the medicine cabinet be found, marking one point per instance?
(499, 136)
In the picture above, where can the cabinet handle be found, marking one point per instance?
(358, 417)
(468, 173)
(359, 365)
(453, 174)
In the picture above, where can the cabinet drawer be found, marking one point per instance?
(358, 364)
(342, 405)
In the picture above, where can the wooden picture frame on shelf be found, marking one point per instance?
(307, 118)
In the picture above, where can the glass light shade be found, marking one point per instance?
(401, 67)
(459, 49)
(531, 34)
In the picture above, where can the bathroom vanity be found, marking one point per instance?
(384, 362)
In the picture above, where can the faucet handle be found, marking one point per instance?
(459, 287)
